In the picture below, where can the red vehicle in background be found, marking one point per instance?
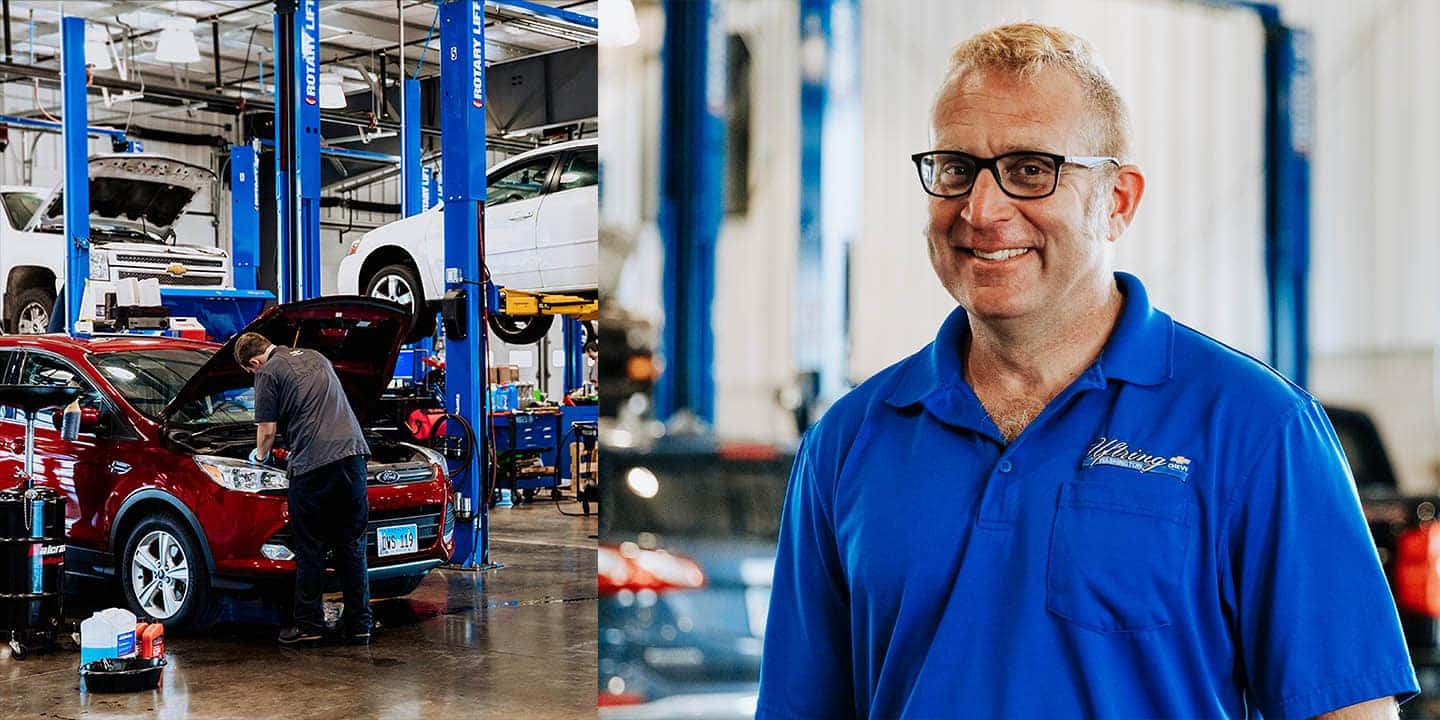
(159, 493)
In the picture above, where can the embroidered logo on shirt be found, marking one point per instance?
(1107, 451)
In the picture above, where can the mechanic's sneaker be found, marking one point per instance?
(356, 636)
(295, 636)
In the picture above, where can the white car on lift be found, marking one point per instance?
(135, 200)
(541, 234)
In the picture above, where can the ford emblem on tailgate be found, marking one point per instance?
(388, 477)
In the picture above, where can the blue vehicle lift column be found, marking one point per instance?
(1289, 132)
(830, 130)
(297, 143)
(245, 214)
(574, 338)
(412, 175)
(692, 152)
(1289, 129)
(77, 166)
(462, 127)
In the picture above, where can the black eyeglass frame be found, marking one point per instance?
(992, 164)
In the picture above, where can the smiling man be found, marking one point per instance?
(1068, 504)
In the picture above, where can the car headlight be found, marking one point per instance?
(240, 475)
(99, 265)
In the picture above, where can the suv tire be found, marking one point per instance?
(162, 573)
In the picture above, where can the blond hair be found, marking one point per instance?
(1024, 50)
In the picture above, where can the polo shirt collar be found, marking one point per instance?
(1139, 352)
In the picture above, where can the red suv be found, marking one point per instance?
(159, 492)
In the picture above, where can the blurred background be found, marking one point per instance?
(762, 252)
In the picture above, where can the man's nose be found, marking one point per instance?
(987, 203)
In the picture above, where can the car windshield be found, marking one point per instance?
(21, 206)
(698, 496)
(126, 233)
(150, 379)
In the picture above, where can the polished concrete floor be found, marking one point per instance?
(517, 642)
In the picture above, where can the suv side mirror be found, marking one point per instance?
(90, 419)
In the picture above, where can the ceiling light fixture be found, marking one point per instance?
(177, 42)
(97, 48)
(618, 25)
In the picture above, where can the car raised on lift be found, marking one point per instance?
(541, 234)
(159, 492)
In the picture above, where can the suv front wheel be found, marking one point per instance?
(163, 572)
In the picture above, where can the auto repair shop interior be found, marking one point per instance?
(175, 173)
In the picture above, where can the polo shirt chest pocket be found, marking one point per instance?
(1120, 551)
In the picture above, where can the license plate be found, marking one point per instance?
(396, 540)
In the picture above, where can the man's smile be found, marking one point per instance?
(996, 256)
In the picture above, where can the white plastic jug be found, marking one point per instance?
(122, 623)
(97, 639)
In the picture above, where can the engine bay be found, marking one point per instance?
(236, 440)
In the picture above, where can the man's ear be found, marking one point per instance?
(1129, 187)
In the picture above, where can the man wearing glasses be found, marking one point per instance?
(1068, 505)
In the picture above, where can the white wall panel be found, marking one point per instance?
(1373, 231)
(755, 258)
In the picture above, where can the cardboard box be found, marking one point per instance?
(513, 375)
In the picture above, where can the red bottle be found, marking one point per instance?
(151, 641)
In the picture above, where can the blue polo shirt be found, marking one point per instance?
(1176, 535)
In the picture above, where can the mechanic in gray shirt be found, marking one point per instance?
(298, 393)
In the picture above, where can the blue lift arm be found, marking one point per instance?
(24, 123)
(692, 152)
(75, 138)
(462, 127)
(554, 13)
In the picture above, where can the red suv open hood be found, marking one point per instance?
(361, 336)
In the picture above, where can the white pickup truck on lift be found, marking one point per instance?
(135, 199)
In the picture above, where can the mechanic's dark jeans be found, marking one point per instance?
(329, 511)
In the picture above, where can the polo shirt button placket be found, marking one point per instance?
(993, 505)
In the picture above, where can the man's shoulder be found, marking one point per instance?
(1207, 365)
(842, 420)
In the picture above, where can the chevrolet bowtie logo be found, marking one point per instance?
(177, 269)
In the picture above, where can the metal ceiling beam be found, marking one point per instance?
(217, 102)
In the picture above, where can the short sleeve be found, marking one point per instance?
(1317, 623)
(805, 670)
(266, 402)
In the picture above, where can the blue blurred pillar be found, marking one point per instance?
(830, 186)
(692, 152)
